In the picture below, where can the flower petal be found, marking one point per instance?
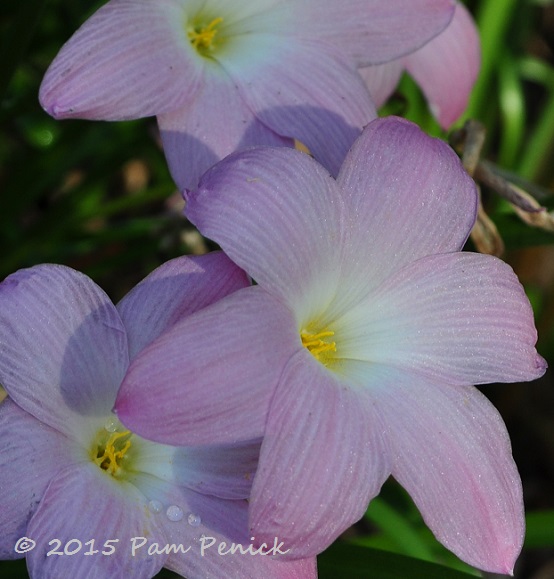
(214, 124)
(452, 454)
(222, 471)
(277, 214)
(209, 528)
(130, 59)
(175, 290)
(459, 318)
(63, 347)
(446, 68)
(322, 460)
(85, 506)
(26, 467)
(382, 79)
(408, 197)
(305, 90)
(229, 354)
(375, 31)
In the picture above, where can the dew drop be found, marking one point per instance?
(194, 520)
(174, 513)
(112, 424)
(155, 506)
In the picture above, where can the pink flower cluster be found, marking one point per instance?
(206, 409)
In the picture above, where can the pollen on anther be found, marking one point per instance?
(318, 343)
(202, 37)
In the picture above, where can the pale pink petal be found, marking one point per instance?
(26, 467)
(459, 318)
(130, 59)
(85, 504)
(63, 347)
(230, 354)
(211, 126)
(277, 214)
(208, 529)
(446, 68)
(374, 31)
(322, 460)
(408, 197)
(305, 90)
(175, 290)
(452, 454)
(382, 79)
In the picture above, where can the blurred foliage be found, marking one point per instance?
(98, 197)
(95, 196)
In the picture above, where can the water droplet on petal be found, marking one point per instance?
(174, 513)
(194, 520)
(112, 424)
(155, 506)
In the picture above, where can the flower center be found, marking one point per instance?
(202, 36)
(318, 344)
(110, 450)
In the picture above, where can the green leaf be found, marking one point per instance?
(398, 528)
(540, 529)
(355, 562)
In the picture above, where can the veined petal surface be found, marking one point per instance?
(63, 347)
(218, 524)
(458, 318)
(209, 379)
(326, 114)
(374, 31)
(446, 68)
(130, 59)
(452, 454)
(175, 290)
(322, 459)
(278, 215)
(86, 503)
(382, 79)
(407, 195)
(212, 125)
(24, 441)
(224, 471)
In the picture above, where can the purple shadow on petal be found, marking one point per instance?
(189, 157)
(90, 401)
(328, 138)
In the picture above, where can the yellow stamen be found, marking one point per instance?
(202, 39)
(109, 456)
(316, 343)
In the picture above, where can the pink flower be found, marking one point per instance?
(225, 75)
(445, 68)
(356, 354)
(72, 477)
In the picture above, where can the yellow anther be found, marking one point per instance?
(112, 452)
(202, 38)
(316, 343)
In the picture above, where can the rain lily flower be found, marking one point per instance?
(445, 68)
(223, 75)
(357, 352)
(73, 479)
